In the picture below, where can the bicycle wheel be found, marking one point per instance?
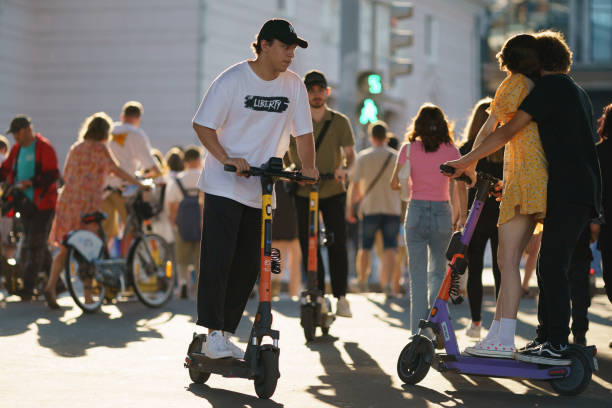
(87, 292)
(151, 269)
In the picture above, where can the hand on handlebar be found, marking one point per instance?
(462, 167)
(241, 165)
(312, 173)
(341, 175)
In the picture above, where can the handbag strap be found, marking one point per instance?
(380, 173)
(323, 132)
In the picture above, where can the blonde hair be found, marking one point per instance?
(96, 127)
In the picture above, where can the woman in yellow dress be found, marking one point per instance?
(523, 202)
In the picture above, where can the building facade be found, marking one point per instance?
(587, 25)
(61, 60)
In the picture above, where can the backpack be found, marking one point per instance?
(188, 217)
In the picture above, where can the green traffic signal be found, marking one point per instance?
(369, 112)
(374, 84)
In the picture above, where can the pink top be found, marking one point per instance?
(427, 182)
(87, 165)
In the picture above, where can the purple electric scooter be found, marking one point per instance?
(418, 355)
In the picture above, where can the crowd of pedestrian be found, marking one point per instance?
(209, 216)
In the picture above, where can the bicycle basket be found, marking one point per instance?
(143, 209)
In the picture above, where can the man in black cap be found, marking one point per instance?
(335, 155)
(32, 168)
(245, 118)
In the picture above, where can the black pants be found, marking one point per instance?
(485, 230)
(229, 261)
(579, 290)
(562, 228)
(35, 256)
(333, 210)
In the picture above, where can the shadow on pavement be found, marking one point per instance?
(223, 398)
(72, 337)
(360, 382)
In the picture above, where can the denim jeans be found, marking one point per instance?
(428, 231)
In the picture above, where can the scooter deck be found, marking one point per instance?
(227, 367)
(499, 367)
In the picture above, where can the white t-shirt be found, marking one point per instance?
(189, 179)
(253, 119)
(132, 149)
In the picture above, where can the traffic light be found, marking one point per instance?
(399, 39)
(370, 83)
(369, 86)
(368, 112)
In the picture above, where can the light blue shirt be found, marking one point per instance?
(26, 167)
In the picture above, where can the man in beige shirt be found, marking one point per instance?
(379, 206)
(334, 143)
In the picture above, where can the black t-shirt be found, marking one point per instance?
(486, 166)
(564, 115)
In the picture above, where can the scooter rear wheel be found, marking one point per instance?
(307, 320)
(413, 365)
(579, 378)
(265, 382)
(197, 376)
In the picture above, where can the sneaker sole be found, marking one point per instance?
(490, 353)
(229, 354)
(541, 360)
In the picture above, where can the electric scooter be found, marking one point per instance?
(568, 377)
(260, 361)
(312, 314)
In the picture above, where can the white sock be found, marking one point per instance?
(507, 327)
(493, 333)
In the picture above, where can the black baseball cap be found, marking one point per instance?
(315, 77)
(278, 29)
(19, 122)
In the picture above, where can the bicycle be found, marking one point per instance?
(11, 272)
(92, 276)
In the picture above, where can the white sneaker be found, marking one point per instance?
(473, 331)
(343, 308)
(236, 351)
(216, 346)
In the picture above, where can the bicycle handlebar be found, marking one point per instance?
(263, 172)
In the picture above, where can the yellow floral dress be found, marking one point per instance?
(525, 165)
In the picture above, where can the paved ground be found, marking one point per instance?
(131, 356)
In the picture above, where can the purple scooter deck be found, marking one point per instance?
(491, 367)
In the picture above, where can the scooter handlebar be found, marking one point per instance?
(261, 172)
(451, 170)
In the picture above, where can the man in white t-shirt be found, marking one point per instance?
(245, 118)
(132, 149)
(187, 249)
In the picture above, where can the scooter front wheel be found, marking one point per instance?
(266, 380)
(307, 320)
(415, 359)
(197, 376)
(579, 378)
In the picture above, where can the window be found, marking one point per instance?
(431, 38)
(601, 30)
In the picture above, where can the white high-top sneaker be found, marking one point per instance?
(216, 346)
(237, 352)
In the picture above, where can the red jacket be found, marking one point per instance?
(45, 176)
